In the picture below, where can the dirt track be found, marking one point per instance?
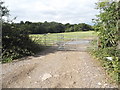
(56, 69)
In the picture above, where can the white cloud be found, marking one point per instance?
(64, 11)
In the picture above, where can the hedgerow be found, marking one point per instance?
(107, 24)
(16, 43)
(15, 39)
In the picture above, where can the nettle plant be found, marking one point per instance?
(107, 24)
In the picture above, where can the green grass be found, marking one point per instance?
(52, 38)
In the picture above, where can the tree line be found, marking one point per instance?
(52, 27)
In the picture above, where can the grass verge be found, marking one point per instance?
(110, 60)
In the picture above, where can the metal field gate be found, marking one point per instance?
(74, 42)
(65, 41)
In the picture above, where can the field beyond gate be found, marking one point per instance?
(65, 41)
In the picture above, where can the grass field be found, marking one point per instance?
(52, 38)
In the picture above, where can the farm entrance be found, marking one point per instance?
(65, 41)
(73, 42)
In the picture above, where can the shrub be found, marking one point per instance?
(16, 43)
(107, 23)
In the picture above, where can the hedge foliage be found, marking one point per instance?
(15, 39)
(16, 43)
(107, 24)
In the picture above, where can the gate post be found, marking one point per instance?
(76, 43)
(45, 39)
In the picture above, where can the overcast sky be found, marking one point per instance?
(63, 11)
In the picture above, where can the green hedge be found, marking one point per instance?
(107, 23)
(16, 43)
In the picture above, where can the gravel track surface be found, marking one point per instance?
(56, 69)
